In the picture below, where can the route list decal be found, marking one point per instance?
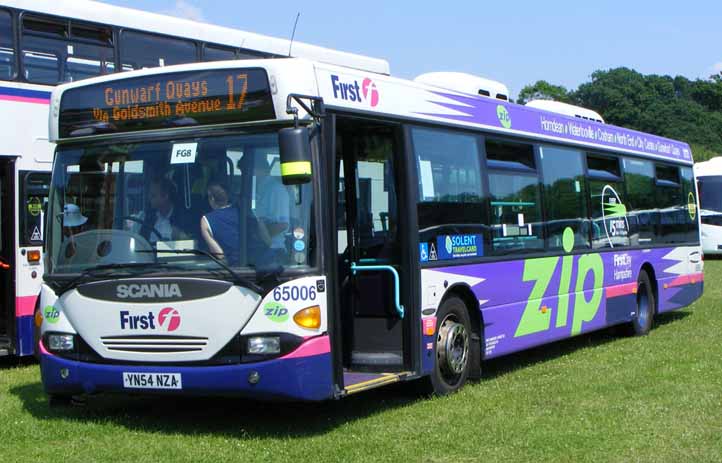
(165, 101)
(612, 136)
(490, 112)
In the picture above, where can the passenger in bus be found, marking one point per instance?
(73, 222)
(273, 203)
(220, 227)
(162, 222)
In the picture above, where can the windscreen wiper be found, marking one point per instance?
(100, 269)
(238, 279)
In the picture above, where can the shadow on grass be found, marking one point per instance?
(219, 416)
(547, 352)
(14, 362)
(252, 419)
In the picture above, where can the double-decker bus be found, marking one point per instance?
(47, 42)
(288, 229)
(709, 184)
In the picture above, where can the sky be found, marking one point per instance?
(513, 41)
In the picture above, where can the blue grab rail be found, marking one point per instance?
(385, 268)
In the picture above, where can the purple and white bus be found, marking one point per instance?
(288, 229)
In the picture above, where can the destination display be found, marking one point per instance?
(161, 101)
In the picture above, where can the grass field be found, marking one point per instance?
(598, 397)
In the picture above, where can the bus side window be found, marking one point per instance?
(451, 198)
(57, 51)
(564, 196)
(672, 207)
(92, 52)
(610, 224)
(7, 47)
(218, 53)
(515, 199)
(640, 200)
(41, 68)
(141, 50)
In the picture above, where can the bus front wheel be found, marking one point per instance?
(452, 347)
(646, 302)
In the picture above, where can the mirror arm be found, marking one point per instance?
(316, 110)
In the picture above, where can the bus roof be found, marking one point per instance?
(381, 95)
(709, 168)
(97, 12)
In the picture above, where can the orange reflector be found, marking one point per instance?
(310, 317)
(34, 256)
(429, 326)
(38, 318)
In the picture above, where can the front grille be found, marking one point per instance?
(154, 344)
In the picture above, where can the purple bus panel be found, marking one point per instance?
(528, 302)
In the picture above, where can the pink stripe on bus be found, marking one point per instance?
(42, 349)
(24, 99)
(621, 290)
(314, 346)
(25, 305)
(686, 280)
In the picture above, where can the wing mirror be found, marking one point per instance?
(295, 151)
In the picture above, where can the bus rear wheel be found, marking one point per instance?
(452, 347)
(646, 302)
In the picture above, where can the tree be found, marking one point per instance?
(543, 90)
(674, 107)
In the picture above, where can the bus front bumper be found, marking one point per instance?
(307, 378)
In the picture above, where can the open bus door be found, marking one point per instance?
(375, 271)
(7, 256)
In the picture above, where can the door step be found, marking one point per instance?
(376, 359)
(4, 352)
(356, 382)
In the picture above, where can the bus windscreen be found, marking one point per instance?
(162, 101)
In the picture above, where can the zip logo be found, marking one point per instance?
(366, 92)
(537, 317)
(275, 312)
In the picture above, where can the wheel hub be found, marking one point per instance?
(452, 347)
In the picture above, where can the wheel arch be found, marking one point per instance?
(647, 267)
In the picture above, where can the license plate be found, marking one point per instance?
(152, 381)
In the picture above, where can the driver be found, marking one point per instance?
(162, 222)
(220, 227)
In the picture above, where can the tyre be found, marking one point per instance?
(643, 319)
(452, 347)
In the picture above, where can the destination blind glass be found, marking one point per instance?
(162, 101)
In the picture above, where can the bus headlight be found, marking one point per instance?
(58, 342)
(264, 345)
